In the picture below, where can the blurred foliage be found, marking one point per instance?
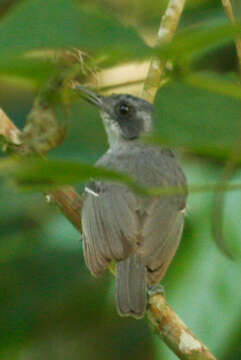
(51, 308)
(65, 24)
(210, 136)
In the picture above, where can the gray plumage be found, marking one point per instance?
(140, 233)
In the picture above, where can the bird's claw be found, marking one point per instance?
(155, 290)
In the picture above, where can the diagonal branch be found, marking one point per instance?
(156, 73)
(176, 335)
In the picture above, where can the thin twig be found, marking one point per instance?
(156, 73)
(171, 329)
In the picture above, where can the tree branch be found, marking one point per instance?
(69, 202)
(174, 332)
(156, 73)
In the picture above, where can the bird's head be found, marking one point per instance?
(125, 117)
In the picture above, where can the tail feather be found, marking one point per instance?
(131, 287)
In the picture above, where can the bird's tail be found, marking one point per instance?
(131, 287)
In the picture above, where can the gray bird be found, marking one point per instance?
(141, 234)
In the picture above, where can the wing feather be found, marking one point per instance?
(110, 226)
(160, 238)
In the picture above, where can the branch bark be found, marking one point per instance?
(176, 335)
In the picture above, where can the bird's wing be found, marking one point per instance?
(161, 234)
(110, 225)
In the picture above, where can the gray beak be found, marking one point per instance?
(90, 96)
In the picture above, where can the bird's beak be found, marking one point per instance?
(90, 96)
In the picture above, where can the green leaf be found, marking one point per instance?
(38, 175)
(198, 120)
(59, 24)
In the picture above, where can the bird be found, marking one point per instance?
(139, 233)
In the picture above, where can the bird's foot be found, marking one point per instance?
(155, 290)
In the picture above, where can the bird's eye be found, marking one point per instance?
(124, 109)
